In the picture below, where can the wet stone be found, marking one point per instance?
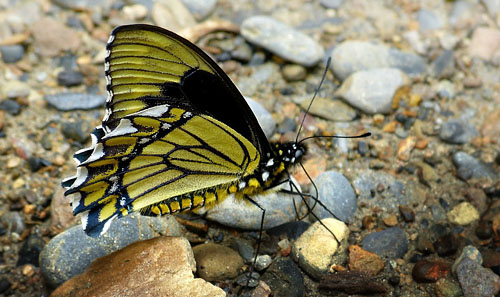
(74, 101)
(70, 252)
(12, 53)
(391, 243)
(69, 78)
(282, 40)
(284, 278)
(337, 194)
(10, 106)
(470, 252)
(456, 132)
(323, 107)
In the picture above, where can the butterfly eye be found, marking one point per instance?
(299, 153)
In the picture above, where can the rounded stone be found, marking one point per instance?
(216, 262)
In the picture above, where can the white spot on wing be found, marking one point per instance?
(270, 163)
(155, 111)
(242, 185)
(75, 199)
(125, 127)
(84, 219)
(111, 38)
(96, 154)
(81, 176)
(265, 175)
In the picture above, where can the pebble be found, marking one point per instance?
(172, 15)
(352, 283)
(493, 6)
(13, 222)
(367, 183)
(445, 89)
(161, 266)
(484, 43)
(293, 230)
(463, 214)
(457, 132)
(79, 5)
(30, 250)
(293, 72)
(69, 78)
(315, 248)
(372, 90)
(5, 285)
(391, 243)
(70, 252)
(282, 40)
(262, 262)
(215, 262)
(200, 9)
(430, 271)
(15, 89)
(264, 117)
(52, 37)
(75, 101)
(78, 131)
(240, 214)
(470, 252)
(337, 195)
(429, 20)
(446, 245)
(476, 280)
(469, 167)
(444, 65)
(284, 278)
(334, 4)
(353, 55)
(364, 261)
(407, 213)
(10, 106)
(448, 287)
(244, 248)
(405, 147)
(323, 107)
(12, 53)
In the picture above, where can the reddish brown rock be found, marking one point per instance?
(426, 271)
(162, 266)
(364, 261)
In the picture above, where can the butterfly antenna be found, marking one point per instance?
(314, 97)
(367, 134)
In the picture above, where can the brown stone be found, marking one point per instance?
(364, 261)
(405, 147)
(162, 266)
(216, 262)
(52, 37)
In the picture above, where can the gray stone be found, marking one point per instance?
(81, 5)
(444, 65)
(69, 78)
(70, 252)
(354, 55)
(334, 4)
(284, 278)
(371, 91)
(13, 222)
(470, 252)
(457, 132)
(336, 194)
(265, 119)
(446, 89)
(244, 215)
(428, 20)
(78, 130)
(200, 9)
(493, 6)
(470, 167)
(391, 243)
(10, 106)
(12, 53)
(282, 40)
(476, 280)
(74, 101)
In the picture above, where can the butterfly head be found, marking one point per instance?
(290, 152)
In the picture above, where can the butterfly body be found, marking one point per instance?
(177, 135)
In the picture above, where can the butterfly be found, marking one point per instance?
(177, 135)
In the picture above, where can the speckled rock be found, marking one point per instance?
(282, 40)
(70, 252)
(216, 262)
(463, 214)
(470, 167)
(457, 132)
(391, 243)
(161, 266)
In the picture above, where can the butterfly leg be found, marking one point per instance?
(260, 237)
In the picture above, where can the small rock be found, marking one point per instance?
(472, 82)
(485, 41)
(135, 12)
(407, 213)
(337, 195)
(391, 243)
(293, 72)
(262, 290)
(315, 248)
(172, 15)
(293, 230)
(161, 266)
(352, 283)
(284, 278)
(264, 117)
(446, 89)
(323, 107)
(364, 261)
(262, 262)
(470, 167)
(444, 65)
(70, 252)
(448, 287)
(353, 55)
(52, 37)
(372, 90)
(334, 4)
(457, 132)
(6, 285)
(430, 271)
(476, 280)
(493, 6)
(13, 222)
(200, 9)
(69, 78)
(78, 131)
(74, 101)
(10, 106)
(470, 252)
(242, 52)
(446, 245)
(282, 40)
(405, 147)
(215, 262)
(428, 20)
(12, 53)
(15, 89)
(463, 214)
